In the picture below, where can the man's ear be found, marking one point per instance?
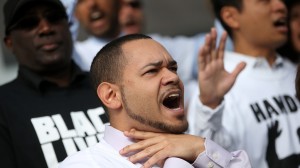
(109, 94)
(8, 42)
(230, 15)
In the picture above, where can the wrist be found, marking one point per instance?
(199, 146)
(210, 102)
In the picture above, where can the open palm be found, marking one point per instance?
(214, 80)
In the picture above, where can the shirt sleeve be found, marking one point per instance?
(207, 122)
(215, 156)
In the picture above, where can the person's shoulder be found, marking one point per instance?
(288, 64)
(7, 87)
(79, 159)
(82, 44)
(8, 93)
(94, 156)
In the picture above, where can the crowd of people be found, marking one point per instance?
(225, 98)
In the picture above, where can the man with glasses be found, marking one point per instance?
(50, 110)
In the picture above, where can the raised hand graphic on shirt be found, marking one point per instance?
(292, 161)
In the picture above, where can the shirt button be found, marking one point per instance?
(210, 165)
(215, 156)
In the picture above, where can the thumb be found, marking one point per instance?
(238, 69)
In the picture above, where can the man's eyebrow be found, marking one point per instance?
(172, 63)
(154, 64)
(159, 63)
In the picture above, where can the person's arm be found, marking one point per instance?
(7, 156)
(205, 109)
(182, 151)
(214, 80)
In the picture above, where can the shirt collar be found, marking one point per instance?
(255, 62)
(37, 81)
(116, 138)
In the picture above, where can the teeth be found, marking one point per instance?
(174, 95)
(282, 21)
(96, 15)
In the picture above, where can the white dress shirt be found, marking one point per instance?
(105, 154)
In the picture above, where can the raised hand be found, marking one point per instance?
(214, 80)
(157, 147)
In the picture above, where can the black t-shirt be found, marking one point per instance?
(41, 123)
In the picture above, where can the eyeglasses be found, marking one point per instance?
(29, 22)
(135, 4)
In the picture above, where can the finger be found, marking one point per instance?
(146, 153)
(238, 69)
(161, 163)
(207, 49)
(202, 59)
(213, 52)
(222, 45)
(140, 145)
(158, 158)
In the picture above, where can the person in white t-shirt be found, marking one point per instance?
(136, 80)
(256, 110)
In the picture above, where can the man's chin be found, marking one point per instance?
(175, 129)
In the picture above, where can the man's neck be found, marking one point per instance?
(256, 51)
(61, 77)
(109, 36)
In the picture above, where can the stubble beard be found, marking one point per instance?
(154, 124)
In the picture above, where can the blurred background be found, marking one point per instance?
(166, 17)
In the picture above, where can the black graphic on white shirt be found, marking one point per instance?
(292, 161)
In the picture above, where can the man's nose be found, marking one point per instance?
(279, 5)
(170, 77)
(44, 27)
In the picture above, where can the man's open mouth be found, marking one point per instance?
(282, 22)
(172, 101)
(95, 15)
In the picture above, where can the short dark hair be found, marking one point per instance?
(109, 62)
(217, 8)
(291, 3)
